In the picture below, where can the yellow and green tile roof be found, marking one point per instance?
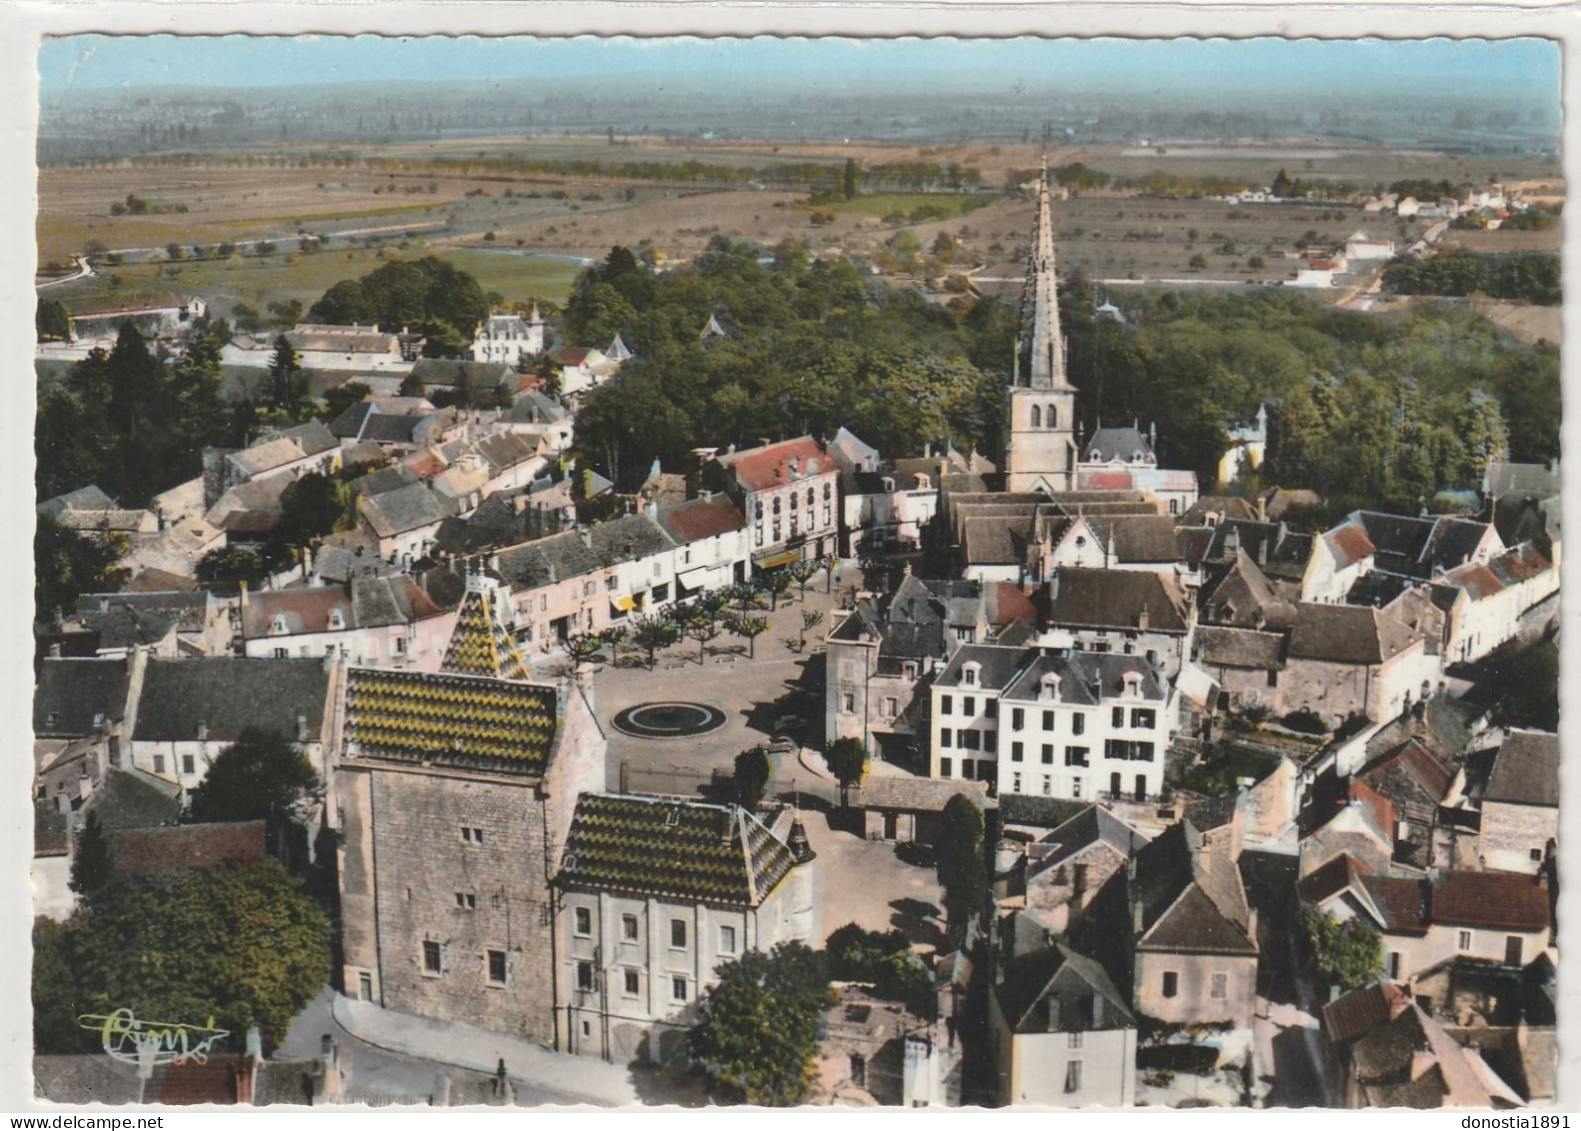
(672, 849)
(444, 717)
(481, 644)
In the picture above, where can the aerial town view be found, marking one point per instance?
(907, 573)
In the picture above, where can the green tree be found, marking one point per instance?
(310, 508)
(802, 571)
(51, 320)
(287, 386)
(749, 627)
(757, 1037)
(92, 864)
(849, 184)
(847, 759)
(1349, 954)
(962, 870)
(260, 776)
(55, 995)
(653, 633)
(244, 946)
(230, 567)
(67, 565)
(752, 773)
(810, 619)
(342, 397)
(583, 646)
(702, 625)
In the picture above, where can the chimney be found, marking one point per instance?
(652, 510)
(203, 730)
(1262, 508)
(54, 651)
(301, 728)
(1142, 618)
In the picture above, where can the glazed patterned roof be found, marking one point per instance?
(443, 717)
(481, 643)
(673, 849)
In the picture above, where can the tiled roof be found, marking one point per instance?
(406, 508)
(89, 498)
(672, 849)
(1121, 444)
(348, 425)
(365, 602)
(1054, 989)
(997, 665)
(1410, 772)
(759, 469)
(1347, 634)
(390, 428)
(229, 694)
(157, 851)
(1115, 598)
(1191, 895)
(132, 799)
(443, 717)
(1506, 901)
(191, 607)
(1483, 580)
(1091, 826)
(1526, 771)
(1361, 1011)
(1226, 506)
(1137, 537)
(920, 795)
(578, 552)
(73, 693)
(696, 519)
(1403, 903)
(448, 372)
(1037, 812)
(481, 643)
(1339, 874)
(1240, 648)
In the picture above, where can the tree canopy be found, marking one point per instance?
(1349, 954)
(258, 776)
(815, 346)
(847, 760)
(757, 1036)
(962, 870)
(425, 295)
(67, 564)
(752, 774)
(244, 946)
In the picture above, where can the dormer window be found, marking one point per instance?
(279, 623)
(1133, 685)
(908, 670)
(337, 620)
(889, 485)
(1048, 689)
(969, 673)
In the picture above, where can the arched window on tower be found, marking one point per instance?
(1037, 416)
(1053, 416)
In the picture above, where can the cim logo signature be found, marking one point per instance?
(152, 1042)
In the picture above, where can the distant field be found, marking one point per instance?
(1501, 241)
(886, 203)
(258, 281)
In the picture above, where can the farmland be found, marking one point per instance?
(488, 204)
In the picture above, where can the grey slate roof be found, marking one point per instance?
(1240, 648)
(390, 428)
(229, 694)
(1526, 771)
(190, 607)
(448, 372)
(535, 408)
(89, 498)
(919, 795)
(132, 799)
(72, 692)
(1055, 990)
(1115, 598)
(1346, 634)
(1123, 444)
(578, 552)
(406, 508)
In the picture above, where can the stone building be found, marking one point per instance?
(657, 893)
(455, 795)
(1520, 803)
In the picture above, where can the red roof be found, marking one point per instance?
(1422, 764)
(759, 469)
(1324, 265)
(574, 355)
(166, 849)
(697, 519)
(1008, 603)
(1108, 481)
(1378, 807)
(1362, 1011)
(426, 466)
(1508, 901)
(1402, 902)
(1349, 543)
(528, 383)
(1332, 878)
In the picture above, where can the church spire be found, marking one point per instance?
(1041, 337)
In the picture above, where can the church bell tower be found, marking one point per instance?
(1041, 408)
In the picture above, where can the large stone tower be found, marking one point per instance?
(1041, 455)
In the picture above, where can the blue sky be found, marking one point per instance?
(1530, 66)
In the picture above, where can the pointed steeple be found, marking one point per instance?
(1040, 332)
(483, 642)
